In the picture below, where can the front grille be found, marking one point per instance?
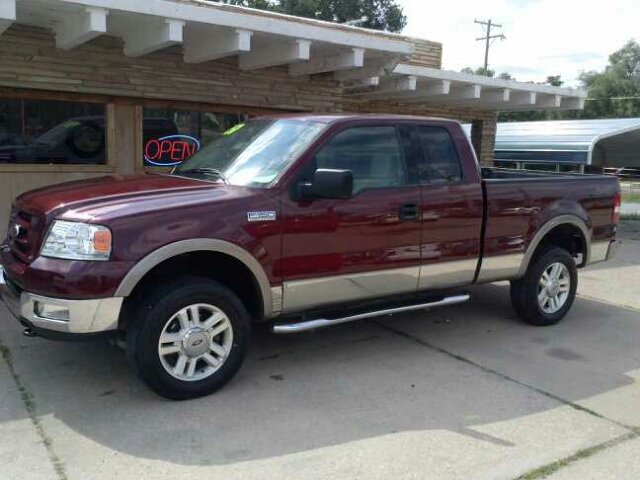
(23, 234)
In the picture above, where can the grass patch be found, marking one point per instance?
(546, 470)
(631, 197)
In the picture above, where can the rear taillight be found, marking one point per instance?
(616, 208)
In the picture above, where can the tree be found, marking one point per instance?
(479, 71)
(261, 4)
(554, 81)
(614, 92)
(381, 14)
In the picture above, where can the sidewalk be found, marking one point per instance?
(630, 208)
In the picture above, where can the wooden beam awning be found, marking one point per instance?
(409, 84)
(368, 63)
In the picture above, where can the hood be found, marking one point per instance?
(102, 198)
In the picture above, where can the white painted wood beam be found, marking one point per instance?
(496, 96)
(354, 58)
(438, 88)
(465, 92)
(488, 98)
(202, 47)
(402, 84)
(523, 99)
(147, 38)
(456, 93)
(274, 55)
(7, 14)
(247, 19)
(548, 101)
(366, 82)
(77, 29)
(379, 68)
(390, 87)
(357, 87)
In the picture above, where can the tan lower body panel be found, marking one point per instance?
(303, 294)
(500, 267)
(447, 274)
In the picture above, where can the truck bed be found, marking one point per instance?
(493, 173)
(518, 203)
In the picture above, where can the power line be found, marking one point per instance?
(611, 98)
(487, 25)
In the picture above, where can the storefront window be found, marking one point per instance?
(51, 132)
(171, 136)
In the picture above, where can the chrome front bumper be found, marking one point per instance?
(68, 316)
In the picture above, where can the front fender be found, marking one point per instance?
(171, 250)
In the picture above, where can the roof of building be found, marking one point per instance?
(372, 62)
(605, 142)
(339, 117)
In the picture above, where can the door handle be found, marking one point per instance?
(409, 211)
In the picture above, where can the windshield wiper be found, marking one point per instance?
(207, 171)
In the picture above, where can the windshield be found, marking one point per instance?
(253, 154)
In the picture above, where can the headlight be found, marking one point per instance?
(77, 241)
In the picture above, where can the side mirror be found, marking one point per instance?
(328, 183)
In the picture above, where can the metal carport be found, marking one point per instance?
(597, 143)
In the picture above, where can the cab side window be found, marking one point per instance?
(441, 163)
(372, 153)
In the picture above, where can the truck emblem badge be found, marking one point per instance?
(261, 216)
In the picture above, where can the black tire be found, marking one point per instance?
(524, 292)
(154, 311)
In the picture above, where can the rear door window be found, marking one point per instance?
(441, 163)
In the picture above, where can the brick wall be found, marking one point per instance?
(425, 53)
(29, 59)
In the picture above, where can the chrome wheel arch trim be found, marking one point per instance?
(171, 250)
(546, 228)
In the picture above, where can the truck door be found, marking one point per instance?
(367, 246)
(451, 207)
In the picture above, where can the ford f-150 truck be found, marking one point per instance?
(302, 221)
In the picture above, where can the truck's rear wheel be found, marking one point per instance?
(190, 338)
(546, 292)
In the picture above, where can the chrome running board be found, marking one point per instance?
(306, 325)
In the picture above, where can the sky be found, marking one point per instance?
(544, 37)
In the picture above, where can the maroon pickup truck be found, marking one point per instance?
(301, 221)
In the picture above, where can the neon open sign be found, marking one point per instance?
(170, 150)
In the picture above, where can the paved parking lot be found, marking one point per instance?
(463, 392)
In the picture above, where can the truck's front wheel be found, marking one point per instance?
(546, 292)
(189, 339)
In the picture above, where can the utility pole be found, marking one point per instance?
(487, 39)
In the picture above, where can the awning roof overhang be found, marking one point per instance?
(369, 61)
(413, 84)
(210, 31)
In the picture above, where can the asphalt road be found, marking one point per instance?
(463, 392)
